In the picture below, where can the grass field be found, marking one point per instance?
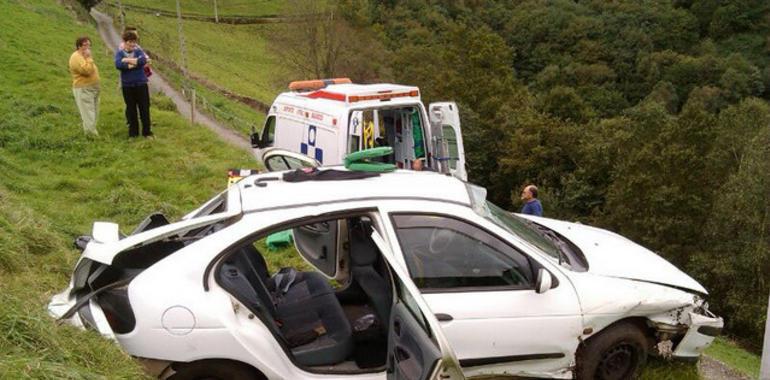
(232, 56)
(224, 7)
(54, 182)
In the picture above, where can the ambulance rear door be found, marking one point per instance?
(447, 138)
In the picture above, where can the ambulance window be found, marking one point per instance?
(268, 132)
(451, 140)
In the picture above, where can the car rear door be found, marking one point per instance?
(417, 349)
(447, 138)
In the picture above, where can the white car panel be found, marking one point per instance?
(610, 254)
(399, 184)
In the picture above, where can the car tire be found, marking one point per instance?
(617, 353)
(214, 369)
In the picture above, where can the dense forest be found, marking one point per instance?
(649, 118)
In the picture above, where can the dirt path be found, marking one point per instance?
(712, 369)
(157, 83)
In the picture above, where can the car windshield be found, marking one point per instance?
(516, 225)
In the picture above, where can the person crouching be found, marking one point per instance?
(130, 60)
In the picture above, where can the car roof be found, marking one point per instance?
(272, 192)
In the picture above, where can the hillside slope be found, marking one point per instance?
(54, 182)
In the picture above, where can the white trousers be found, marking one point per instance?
(87, 99)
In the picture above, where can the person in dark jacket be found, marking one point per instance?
(532, 205)
(130, 60)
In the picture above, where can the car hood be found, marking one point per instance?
(610, 254)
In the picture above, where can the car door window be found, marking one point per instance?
(445, 253)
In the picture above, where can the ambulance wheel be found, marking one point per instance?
(617, 353)
(215, 369)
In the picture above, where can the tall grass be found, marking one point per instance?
(54, 182)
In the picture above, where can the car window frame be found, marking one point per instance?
(534, 265)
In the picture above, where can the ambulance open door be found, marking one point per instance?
(447, 141)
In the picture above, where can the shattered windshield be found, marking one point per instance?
(522, 228)
(516, 225)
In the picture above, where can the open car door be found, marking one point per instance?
(417, 349)
(318, 244)
(448, 138)
(276, 159)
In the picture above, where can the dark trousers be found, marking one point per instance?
(137, 98)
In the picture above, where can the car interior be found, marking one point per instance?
(326, 328)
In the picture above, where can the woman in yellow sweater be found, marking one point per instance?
(85, 83)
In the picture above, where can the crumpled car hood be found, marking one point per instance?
(610, 254)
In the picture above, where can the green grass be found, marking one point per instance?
(54, 182)
(735, 357)
(224, 7)
(225, 111)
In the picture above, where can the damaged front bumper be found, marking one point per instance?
(686, 332)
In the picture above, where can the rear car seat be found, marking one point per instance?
(364, 257)
(308, 315)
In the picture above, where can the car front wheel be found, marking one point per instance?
(617, 353)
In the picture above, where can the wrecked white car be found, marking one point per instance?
(430, 280)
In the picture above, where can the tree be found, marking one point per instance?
(324, 45)
(737, 259)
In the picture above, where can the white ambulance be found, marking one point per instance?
(319, 122)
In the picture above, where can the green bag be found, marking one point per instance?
(359, 161)
(279, 240)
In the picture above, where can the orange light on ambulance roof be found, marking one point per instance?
(316, 84)
(386, 96)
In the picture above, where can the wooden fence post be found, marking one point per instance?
(192, 108)
(764, 370)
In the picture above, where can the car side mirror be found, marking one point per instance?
(544, 281)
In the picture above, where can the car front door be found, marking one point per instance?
(417, 348)
(481, 285)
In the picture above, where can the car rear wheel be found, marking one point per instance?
(214, 370)
(617, 353)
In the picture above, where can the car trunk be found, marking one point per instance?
(98, 293)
